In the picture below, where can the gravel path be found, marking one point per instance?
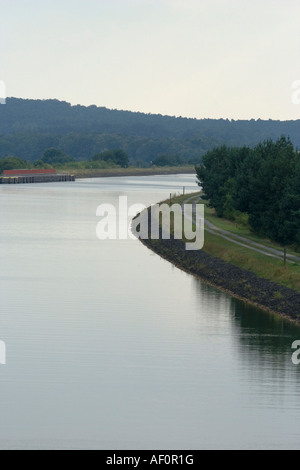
(239, 240)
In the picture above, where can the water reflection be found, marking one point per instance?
(110, 346)
(261, 342)
(264, 349)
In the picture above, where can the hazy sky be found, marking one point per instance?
(231, 59)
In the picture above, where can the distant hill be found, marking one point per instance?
(29, 127)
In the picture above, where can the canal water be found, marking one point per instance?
(108, 346)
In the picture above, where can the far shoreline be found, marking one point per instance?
(117, 172)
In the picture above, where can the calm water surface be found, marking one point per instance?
(111, 347)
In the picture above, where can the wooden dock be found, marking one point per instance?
(35, 177)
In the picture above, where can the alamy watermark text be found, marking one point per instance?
(162, 221)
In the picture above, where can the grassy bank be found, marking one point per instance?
(262, 265)
(131, 171)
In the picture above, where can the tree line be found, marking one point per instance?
(59, 117)
(260, 186)
(29, 127)
(57, 158)
(54, 157)
(83, 146)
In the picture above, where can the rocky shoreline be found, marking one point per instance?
(236, 281)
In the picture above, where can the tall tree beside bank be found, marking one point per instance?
(216, 175)
(263, 182)
(13, 163)
(270, 208)
(118, 156)
(289, 210)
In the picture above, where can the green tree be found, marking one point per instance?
(118, 156)
(13, 163)
(288, 221)
(167, 160)
(261, 185)
(55, 156)
(216, 176)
